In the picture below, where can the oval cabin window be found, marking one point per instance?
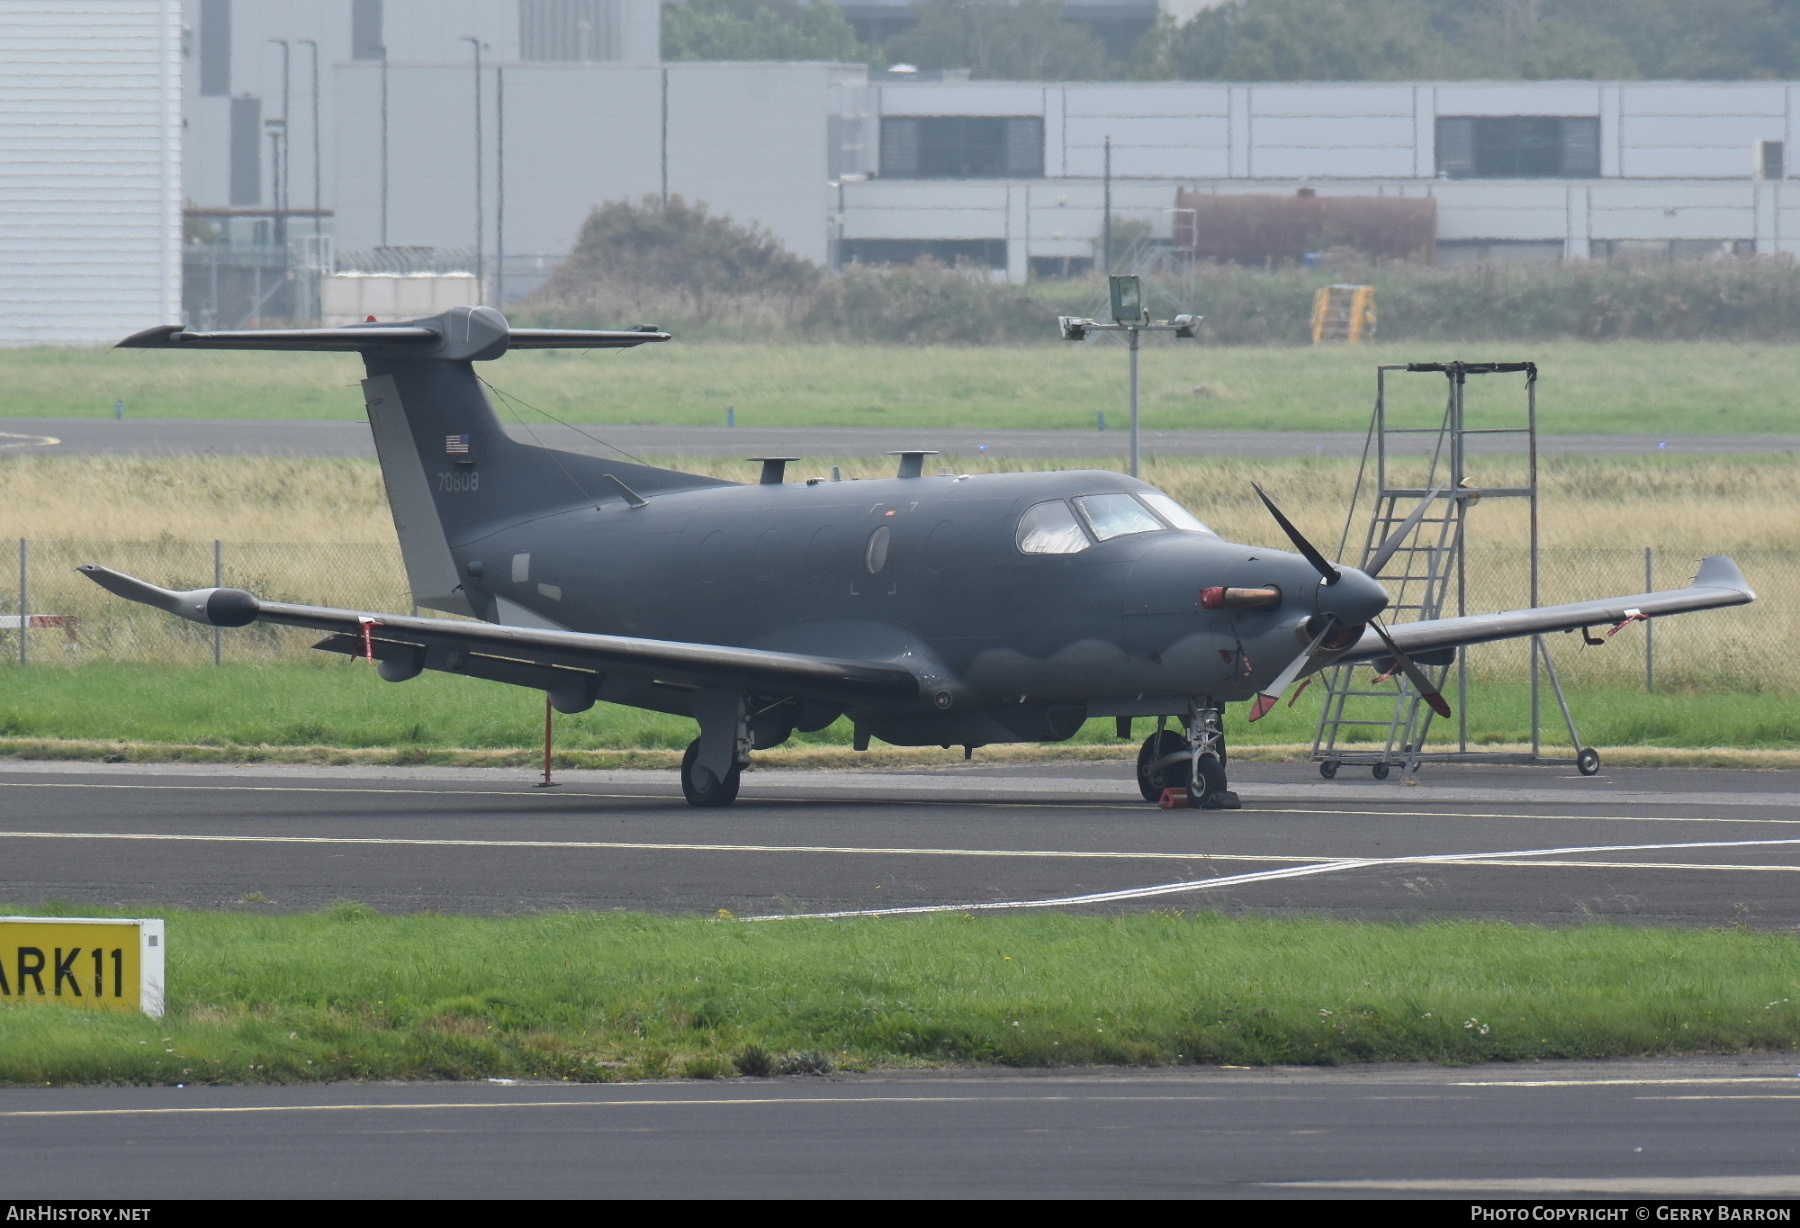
(876, 556)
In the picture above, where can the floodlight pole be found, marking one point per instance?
(1132, 335)
(480, 222)
(1133, 321)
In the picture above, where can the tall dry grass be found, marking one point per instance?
(1735, 503)
(193, 499)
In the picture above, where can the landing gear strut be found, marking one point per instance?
(716, 759)
(1206, 786)
(701, 787)
(1167, 760)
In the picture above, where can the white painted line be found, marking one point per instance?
(670, 1102)
(11, 439)
(524, 791)
(1262, 876)
(648, 846)
(1453, 859)
(1739, 1096)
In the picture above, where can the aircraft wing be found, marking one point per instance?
(567, 664)
(1719, 583)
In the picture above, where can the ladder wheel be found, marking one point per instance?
(1328, 769)
(1588, 761)
(1379, 771)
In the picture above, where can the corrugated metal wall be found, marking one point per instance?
(90, 168)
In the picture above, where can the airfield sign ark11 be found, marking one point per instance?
(1132, 318)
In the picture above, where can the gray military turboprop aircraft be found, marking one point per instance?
(952, 610)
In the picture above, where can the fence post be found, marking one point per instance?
(24, 596)
(218, 582)
(1649, 623)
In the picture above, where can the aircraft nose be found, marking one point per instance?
(1356, 598)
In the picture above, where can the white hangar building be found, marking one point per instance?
(90, 168)
(121, 114)
(1007, 174)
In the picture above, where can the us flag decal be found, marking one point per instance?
(455, 445)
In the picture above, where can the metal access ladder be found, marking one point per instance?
(1427, 578)
(1418, 580)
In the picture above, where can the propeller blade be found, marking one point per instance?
(1430, 694)
(1398, 537)
(1271, 695)
(1306, 548)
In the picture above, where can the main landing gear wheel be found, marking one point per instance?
(1208, 791)
(1328, 769)
(701, 787)
(1588, 761)
(1379, 771)
(1159, 746)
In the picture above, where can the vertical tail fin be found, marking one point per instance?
(452, 471)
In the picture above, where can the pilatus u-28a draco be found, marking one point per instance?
(931, 610)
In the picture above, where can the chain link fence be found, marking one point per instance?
(1718, 650)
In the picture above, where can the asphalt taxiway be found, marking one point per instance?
(1626, 1130)
(351, 438)
(1676, 846)
(1691, 847)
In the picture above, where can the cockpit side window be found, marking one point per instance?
(1050, 528)
(1116, 515)
(1177, 516)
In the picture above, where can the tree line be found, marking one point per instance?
(1279, 40)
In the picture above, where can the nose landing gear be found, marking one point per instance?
(1167, 760)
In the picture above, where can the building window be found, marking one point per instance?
(1519, 147)
(1774, 160)
(979, 253)
(246, 151)
(579, 31)
(365, 31)
(215, 48)
(962, 147)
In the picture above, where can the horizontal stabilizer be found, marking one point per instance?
(462, 333)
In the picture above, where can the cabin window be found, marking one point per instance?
(1118, 515)
(1177, 516)
(1050, 528)
(876, 555)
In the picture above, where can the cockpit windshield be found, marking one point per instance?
(1177, 516)
(1116, 515)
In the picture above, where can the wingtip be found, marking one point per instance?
(1722, 571)
(152, 338)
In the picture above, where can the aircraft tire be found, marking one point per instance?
(1157, 746)
(715, 793)
(1208, 792)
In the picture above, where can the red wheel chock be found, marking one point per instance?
(1175, 799)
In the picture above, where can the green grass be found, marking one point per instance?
(344, 704)
(1625, 386)
(353, 994)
